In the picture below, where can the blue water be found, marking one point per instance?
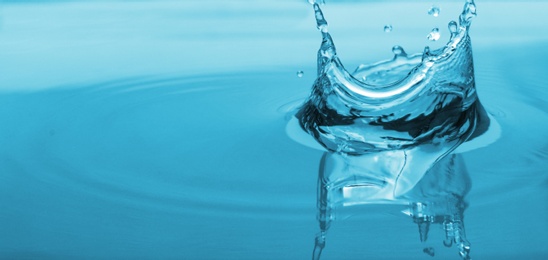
(159, 130)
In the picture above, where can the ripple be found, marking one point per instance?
(206, 145)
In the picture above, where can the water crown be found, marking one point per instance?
(391, 124)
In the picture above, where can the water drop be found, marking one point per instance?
(300, 73)
(398, 51)
(388, 28)
(452, 27)
(434, 35)
(434, 11)
(429, 251)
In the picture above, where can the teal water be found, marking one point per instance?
(160, 130)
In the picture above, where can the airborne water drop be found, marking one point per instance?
(434, 11)
(434, 35)
(388, 28)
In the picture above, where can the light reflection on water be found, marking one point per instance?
(105, 153)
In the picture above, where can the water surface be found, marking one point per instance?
(158, 130)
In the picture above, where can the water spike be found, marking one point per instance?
(426, 53)
(326, 52)
(453, 28)
(318, 246)
(460, 238)
(398, 51)
(424, 227)
(464, 250)
(321, 23)
(449, 227)
(468, 13)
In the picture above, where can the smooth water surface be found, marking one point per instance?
(159, 130)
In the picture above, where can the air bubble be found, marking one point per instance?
(434, 35)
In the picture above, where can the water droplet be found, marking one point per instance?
(434, 11)
(398, 51)
(388, 28)
(452, 27)
(434, 35)
(300, 73)
(429, 251)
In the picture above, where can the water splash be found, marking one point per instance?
(421, 103)
(386, 132)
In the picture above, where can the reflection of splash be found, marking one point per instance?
(437, 199)
(396, 124)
